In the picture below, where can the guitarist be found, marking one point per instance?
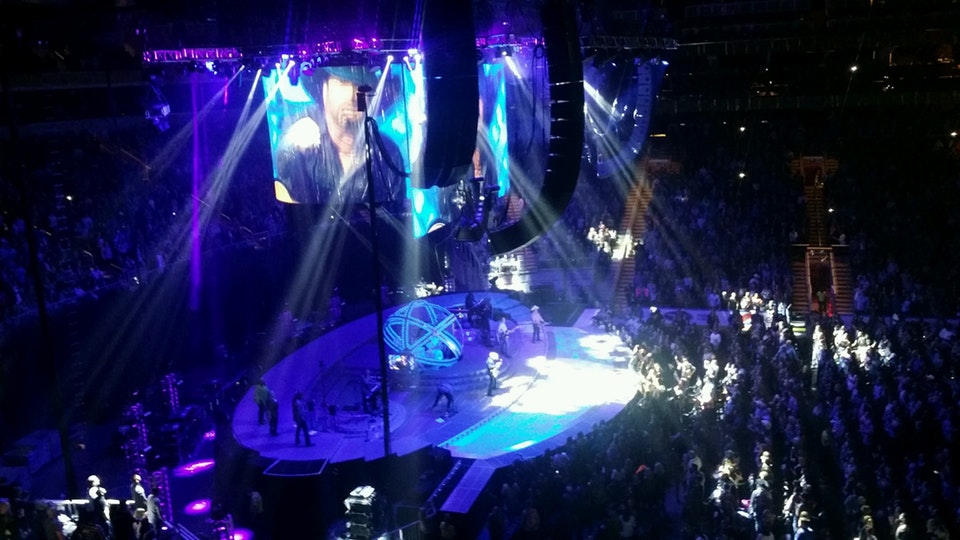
(493, 371)
(503, 337)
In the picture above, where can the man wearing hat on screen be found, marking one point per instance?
(321, 155)
(493, 371)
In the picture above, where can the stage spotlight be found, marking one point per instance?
(389, 58)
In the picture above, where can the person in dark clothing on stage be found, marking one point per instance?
(261, 396)
(300, 419)
(444, 390)
(273, 409)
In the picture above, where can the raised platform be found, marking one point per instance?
(574, 378)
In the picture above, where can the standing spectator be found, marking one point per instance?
(447, 530)
(9, 529)
(142, 529)
(496, 524)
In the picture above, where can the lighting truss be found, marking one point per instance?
(628, 42)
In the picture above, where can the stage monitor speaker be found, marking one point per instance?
(452, 91)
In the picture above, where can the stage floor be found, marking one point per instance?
(550, 390)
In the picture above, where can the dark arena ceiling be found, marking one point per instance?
(762, 51)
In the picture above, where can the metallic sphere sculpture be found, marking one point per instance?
(426, 332)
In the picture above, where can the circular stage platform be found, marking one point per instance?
(551, 389)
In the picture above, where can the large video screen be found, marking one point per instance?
(317, 141)
(490, 158)
(317, 134)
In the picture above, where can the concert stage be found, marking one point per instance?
(575, 377)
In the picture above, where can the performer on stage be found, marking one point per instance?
(261, 396)
(503, 337)
(138, 493)
(538, 323)
(444, 390)
(300, 419)
(493, 371)
(97, 501)
(370, 399)
(273, 410)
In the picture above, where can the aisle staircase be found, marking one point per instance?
(633, 227)
(802, 299)
(817, 234)
(843, 283)
(813, 172)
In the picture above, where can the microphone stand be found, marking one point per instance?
(375, 251)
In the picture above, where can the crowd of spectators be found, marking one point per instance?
(887, 390)
(748, 431)
(902, 261)
(760, 434)
(724, 224)
(110, 209)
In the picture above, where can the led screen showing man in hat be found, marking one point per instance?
(317, 129)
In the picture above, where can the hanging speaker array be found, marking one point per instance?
(452, 95)
(565, 76)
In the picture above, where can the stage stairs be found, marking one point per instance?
(471, 479)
